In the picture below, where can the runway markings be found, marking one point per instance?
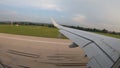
(71, 64)
(39, 41)
(23, 54)
(68, 57)
(23, 66)
(66, 64)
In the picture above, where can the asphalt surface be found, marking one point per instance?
(17, 51)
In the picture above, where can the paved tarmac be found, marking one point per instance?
(18, 51)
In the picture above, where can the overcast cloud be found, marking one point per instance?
(90, 13)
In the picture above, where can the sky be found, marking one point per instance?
(85, 13)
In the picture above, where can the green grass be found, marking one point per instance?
(111, 35)
(39, 31)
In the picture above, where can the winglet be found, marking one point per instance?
(54, 23)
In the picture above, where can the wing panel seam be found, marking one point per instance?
(87, 44)
(94, 43)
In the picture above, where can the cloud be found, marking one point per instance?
(10, 15)
(79, 18)
(7, 12)
(7, 15)
(50, 7)
(41, 4)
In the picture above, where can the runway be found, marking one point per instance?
(18, 51)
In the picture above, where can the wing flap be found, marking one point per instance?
(96, 53)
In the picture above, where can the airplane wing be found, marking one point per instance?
(102, 51)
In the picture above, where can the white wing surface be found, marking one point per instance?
(103, 51)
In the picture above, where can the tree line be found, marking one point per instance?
(52, 26)
(94, 30)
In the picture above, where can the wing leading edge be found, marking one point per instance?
(103, 51)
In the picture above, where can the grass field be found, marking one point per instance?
(111, 35)
(40, 31)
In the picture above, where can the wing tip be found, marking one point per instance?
(54, 22)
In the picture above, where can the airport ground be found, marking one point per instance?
(18, 51)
